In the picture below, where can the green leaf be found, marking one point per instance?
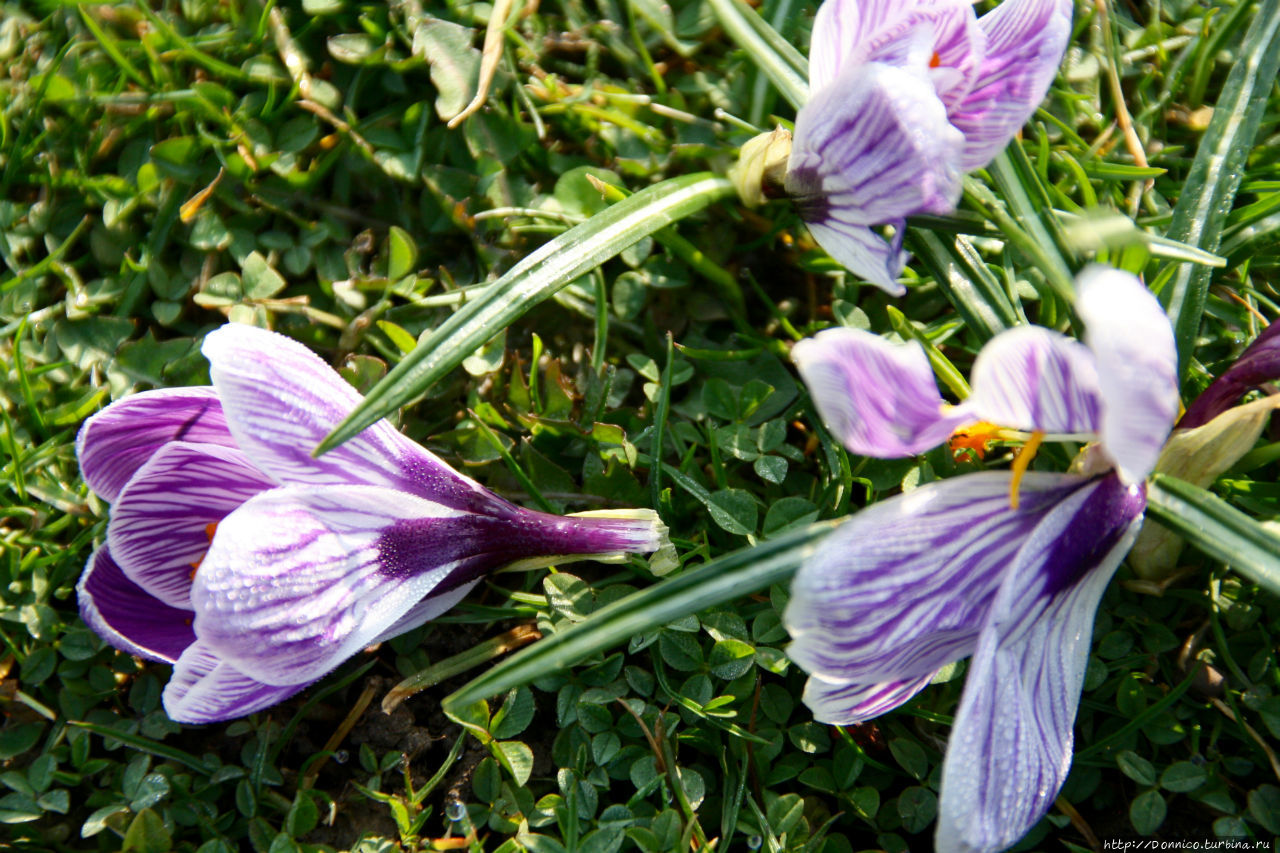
(734, 510)
(1217, 528)
(1183, 776)
(517, 758)
(723, 580)
(780, 62)
(1147, 812)
(147, 834)
(1210, 187)
(260, 280)
(402, 252)
(1136, 767)
(538, 276)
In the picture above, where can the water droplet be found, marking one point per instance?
(754, 842)
(455, 811)
(341, 756)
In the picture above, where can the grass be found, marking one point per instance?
(167, 167)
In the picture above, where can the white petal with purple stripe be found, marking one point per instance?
(113, 444)
(903, 587)
(844, 704)
(1032, 378)
(1132, 342)
(1010, 746)
(127, 616)
(206, 689)
(878, 398)
(158, 530)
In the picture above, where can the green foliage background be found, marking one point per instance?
(167, 166)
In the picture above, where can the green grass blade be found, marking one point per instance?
(1217, 528)
(726, 579)
(1216, 173)
(771, 53)
(961, 274)
(570, 255)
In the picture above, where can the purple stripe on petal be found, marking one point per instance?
(113, 444)
(873, 147)
(844, 704)
(878, 398)
(1025, 43)
(861, 250)
(1031, 378)
(301, 577)
(902, 587)
(159, 527)
(1258, 364)
(281, 399)
(126, 616)
(1010, 747)
(206, 689)
(1133, 346)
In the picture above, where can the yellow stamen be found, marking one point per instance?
(1022, 461)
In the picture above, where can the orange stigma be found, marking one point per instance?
(973, 437)
(935, 60)
(209, 530)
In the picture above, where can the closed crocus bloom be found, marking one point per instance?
(905, 97)
(1006, 568)
(255, 569)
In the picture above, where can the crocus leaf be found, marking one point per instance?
(1210, 188)
(718, 582)
(779, 61)
(1217, 528)
(538, 276)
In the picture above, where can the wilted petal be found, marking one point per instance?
(1031, 378)
(1258, 364)
(877, 398)
(159, 529)
(1025, 43)
(207, 689)
(281, 399)
(301, 577)
(126, 616)
(902, 588)
(844, 704)
(1133, 347)
(1010, 746)
(113, 444)
(871, 148)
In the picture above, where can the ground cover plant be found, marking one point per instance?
(564, 295)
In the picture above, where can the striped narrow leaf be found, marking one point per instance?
(718, 582)
(977, 295)
(1210, 189)
(1217, 528)
(570, 255)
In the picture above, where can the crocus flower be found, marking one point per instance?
(907, 96)
(957, 569)
(255, 569)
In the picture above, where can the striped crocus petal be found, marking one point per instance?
(1132, 343)
(903, 587)
(301, 577)
(113, 444)
(871, 148)
(281, 399)
(206, 689)
(844, 704)
(878, 398)
(1259, 363)
(1025, 40)
(1010, 745)
(127, 616)
(161, 527)
(1031, 378)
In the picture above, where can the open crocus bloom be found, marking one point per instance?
(907, 96)
(256, 569)
(953, 569)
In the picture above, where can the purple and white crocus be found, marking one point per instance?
(907, 96)
(255, 569)
(952, 569)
